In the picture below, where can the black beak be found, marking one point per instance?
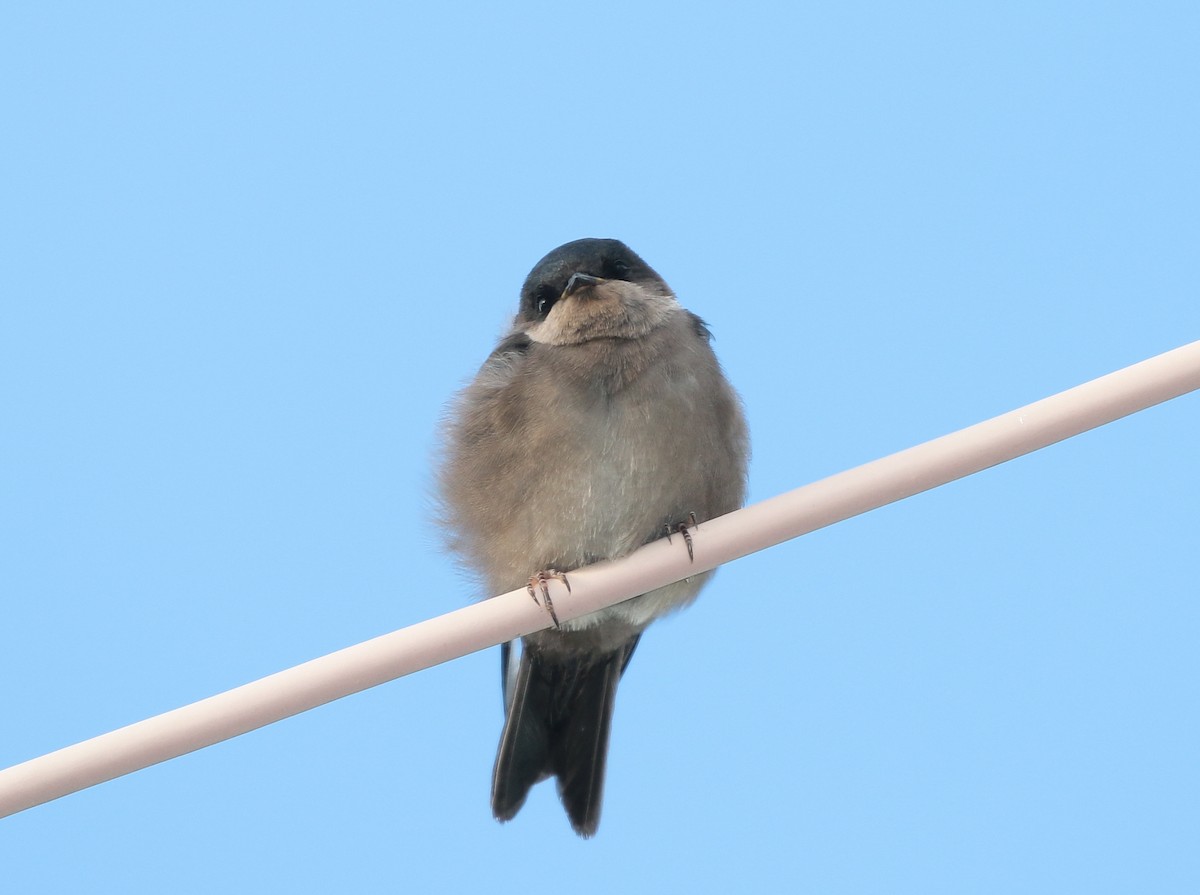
(579, 281)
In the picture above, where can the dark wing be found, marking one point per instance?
(700, 327)
(511, 346)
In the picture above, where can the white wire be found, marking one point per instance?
(510, 615)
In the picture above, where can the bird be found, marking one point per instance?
(600, 422)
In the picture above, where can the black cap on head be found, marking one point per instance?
(607, 259)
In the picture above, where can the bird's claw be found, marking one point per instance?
(684, 528)
(539, 580)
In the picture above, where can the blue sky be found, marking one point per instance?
(246, 255)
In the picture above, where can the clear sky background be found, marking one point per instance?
(246, 255)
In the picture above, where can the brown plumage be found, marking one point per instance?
(601, 418)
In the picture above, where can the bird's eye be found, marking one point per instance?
(616, 269)
(544, 298)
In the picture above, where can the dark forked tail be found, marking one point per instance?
(559, 710)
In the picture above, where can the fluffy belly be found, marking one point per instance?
(640, 611)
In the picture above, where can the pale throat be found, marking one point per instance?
(627, 313)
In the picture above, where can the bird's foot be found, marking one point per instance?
(684, 528)
(539, 580)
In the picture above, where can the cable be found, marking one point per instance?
(513, 614)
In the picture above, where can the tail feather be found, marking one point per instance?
(579, 752)
(559, 714)
(523, 756)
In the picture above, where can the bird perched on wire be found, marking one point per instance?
(600, 422)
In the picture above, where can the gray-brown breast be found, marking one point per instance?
(560, 456)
